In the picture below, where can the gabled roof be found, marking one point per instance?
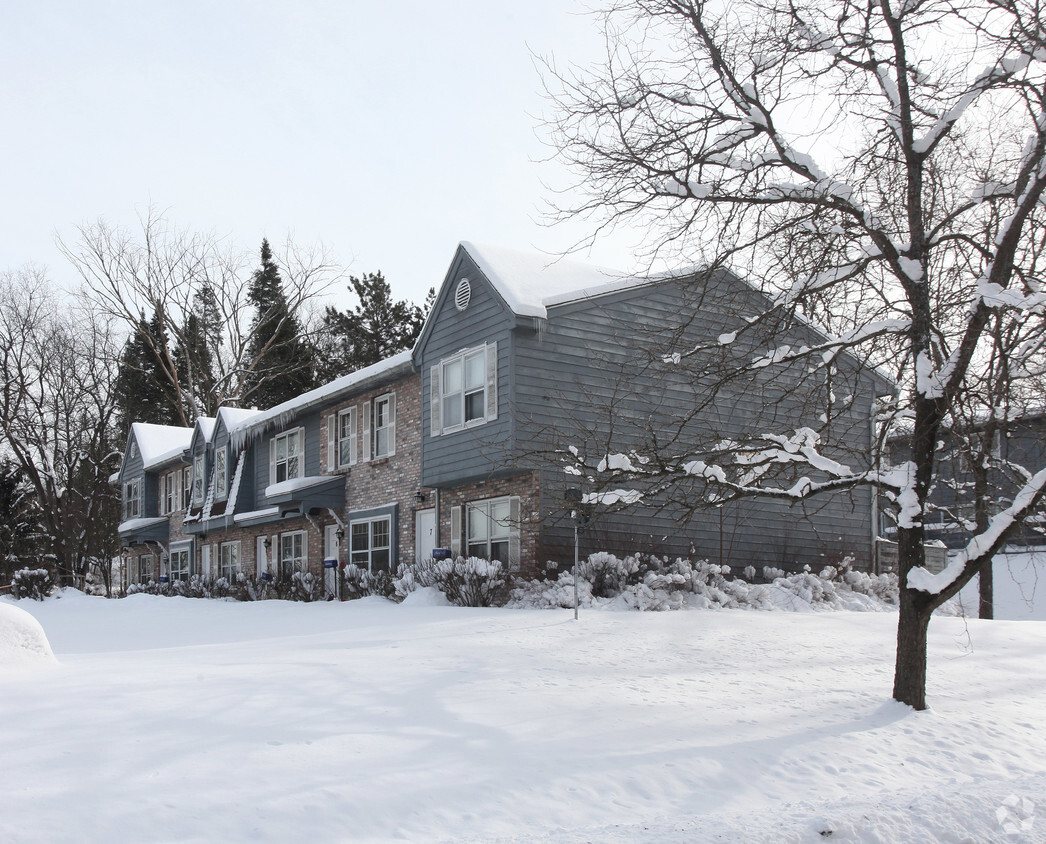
(159, 444)
(531, 282)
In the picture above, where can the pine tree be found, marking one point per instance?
(19, 533)
(197, 353)
(375, 329)
(141, 391)
(283, 360)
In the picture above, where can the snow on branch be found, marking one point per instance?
(984, 544)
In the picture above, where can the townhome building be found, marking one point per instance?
(466, 443)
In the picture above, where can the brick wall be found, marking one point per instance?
(392, 479)
(527, 486)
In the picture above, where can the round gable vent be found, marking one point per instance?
(463, 294)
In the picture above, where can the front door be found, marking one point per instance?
(331, 551)
(424, 534)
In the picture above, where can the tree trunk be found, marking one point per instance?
(986, 591)
(909, 682)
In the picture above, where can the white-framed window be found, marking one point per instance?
(169, 492)
(385, 425)
(132, 499)
(221, 473)
(146, 563)
(229, 561)
(346, 437)
(197, 480)
(464, 390)
(181, 562)
(491, 530)
(186, 487)
(370, 544)
(287, 456)
(294, 553)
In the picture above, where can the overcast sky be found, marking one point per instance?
(387, 131)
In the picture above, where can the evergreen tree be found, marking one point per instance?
(142, 394)
(282, 358)
(19, 531)
(378, 327)
(197, 353)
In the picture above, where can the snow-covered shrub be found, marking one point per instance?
(770, 573)
(255, 588)
(36, 584)
(607, 574)
(471, 582)
(749, 573)
(360, 583)
(301, 586)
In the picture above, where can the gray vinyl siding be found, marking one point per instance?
(314, 434)
(485, 450)
(589, 378)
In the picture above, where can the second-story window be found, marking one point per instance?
(132, 499)
(221, 473)
(169, 492)
(385, 425)
(197, 480)
(464, 390)
(186, 487)
(288, 456)
(347, 437)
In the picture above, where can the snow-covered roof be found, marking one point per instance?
(321, 394)
(138, 524)
(531, 282)
(206, 425)
(159, 444)
(236, 416)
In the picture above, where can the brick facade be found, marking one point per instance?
(527, 486)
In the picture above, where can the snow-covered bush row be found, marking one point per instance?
(471, 582)
(32, 583)
(300, 586)
(651, 583)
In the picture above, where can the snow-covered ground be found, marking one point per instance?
(171, 719)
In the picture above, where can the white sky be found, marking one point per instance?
(386, 131)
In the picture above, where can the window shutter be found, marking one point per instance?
(272, 460)
(392, 424)
(435, 407)
(366, 432)
(332, 456)
(353, 435)
(455, 531)
(514, 533)
(261, 563)
(492, 381)
(301, 451)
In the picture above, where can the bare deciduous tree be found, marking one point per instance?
(56, 408)
(877, 168)
(162, 271)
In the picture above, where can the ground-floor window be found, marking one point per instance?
(293, 553)
(146, 562)
(229, 563)
(492, 530)
(181, 563)
(371, 544)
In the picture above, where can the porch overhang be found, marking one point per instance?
(141, 531)
(303, 496)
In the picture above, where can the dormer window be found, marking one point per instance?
(287, 455)
(132, 499)
(197, 480)
(221, 473)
